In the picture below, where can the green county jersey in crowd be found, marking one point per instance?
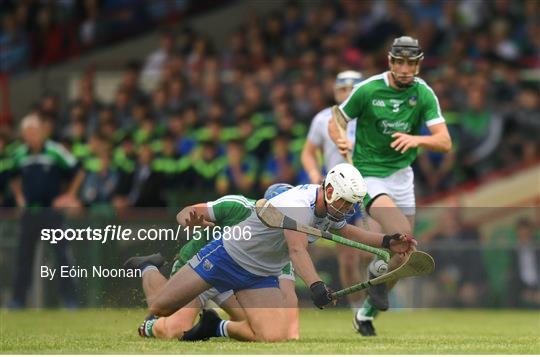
(381, 111)
(226, 211)
(42, 172)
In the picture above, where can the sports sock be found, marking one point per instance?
(147, 328)
(222, 329)
(367, 312)
(147, 267)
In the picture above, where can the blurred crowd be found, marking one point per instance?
(476, 268)
(234, 120)
(36, 33)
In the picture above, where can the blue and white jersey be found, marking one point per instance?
(265, 253)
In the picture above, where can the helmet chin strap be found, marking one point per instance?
(398, 83)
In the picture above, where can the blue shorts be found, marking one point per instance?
(357, 215)
(218, 269)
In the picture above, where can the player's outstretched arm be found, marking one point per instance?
(195, 215)
(397, 243)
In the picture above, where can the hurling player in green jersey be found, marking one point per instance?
(390, 109)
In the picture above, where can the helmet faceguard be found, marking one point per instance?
(408, 49)
(348, 189)
(338, 209)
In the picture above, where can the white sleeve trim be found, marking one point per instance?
(340, 107)
(210, 206)
(435, 121)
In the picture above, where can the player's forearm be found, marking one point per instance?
(303, 265)
(297, 244)
(361, 235)
(76, 183)
(436, 142)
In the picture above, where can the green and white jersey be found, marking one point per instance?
(381, 111)
(225, 211)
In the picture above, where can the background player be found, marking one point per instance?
(352, 262)
(390, 109)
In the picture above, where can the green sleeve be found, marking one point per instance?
(229, 210)
(62, 157)
(353, 106)
(431, 109)
(188, 251)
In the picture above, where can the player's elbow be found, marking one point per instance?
(447, 145)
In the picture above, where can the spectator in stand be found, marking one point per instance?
(14, 45)
(39, 168)
(526, 262)
(157, 59)
(142, 188)
(281, 164)
(520, 142)
(207, 163)
(88, 102)
(481, 132)
(456, 249)
(130, 82)
(240, 173)
(101, 176)
(122, 109)
(177, 96)
(159, 107)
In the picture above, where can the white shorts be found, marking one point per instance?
(399, 187)
(288, 273)
(215, 296)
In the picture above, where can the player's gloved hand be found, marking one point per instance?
(321, 295)
(399, 243)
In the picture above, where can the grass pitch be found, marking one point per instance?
(107, 331)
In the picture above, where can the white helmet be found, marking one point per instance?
(348, 79)
(347, 182)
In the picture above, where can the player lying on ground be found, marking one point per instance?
(250, 267)
(225, 211)
(390, 109)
